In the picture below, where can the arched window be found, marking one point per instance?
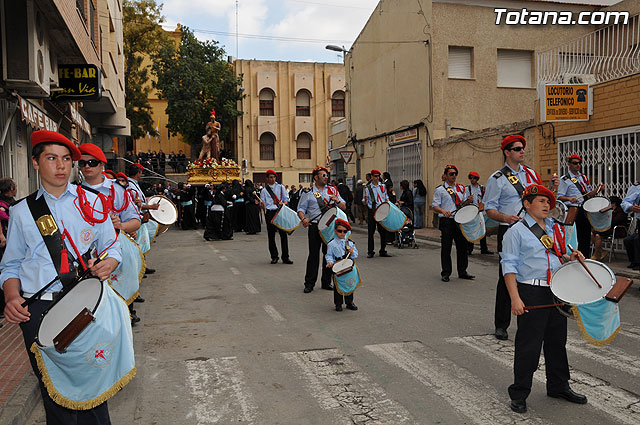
(337, 104)
(303, 103)
(267, 143)
(303, 146)
(266, 102)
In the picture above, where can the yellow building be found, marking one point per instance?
(285, 117)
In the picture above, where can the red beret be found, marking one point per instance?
(512, 138)
(537, 189)
(450, 167)
(269, 172)
(474, 174)
(374, 172)
(45, 136)
(574, 156)
(121, 176)
(317, 170)
(94, 151)
(343, 223)
(139, 166)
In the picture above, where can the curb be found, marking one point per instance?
(20, 406)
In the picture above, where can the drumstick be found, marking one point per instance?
(581, 261)
(538, 307)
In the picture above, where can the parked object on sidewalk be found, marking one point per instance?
(406, 236)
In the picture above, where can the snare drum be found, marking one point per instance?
(572, 284)
(346, 276)
(326, 224)
(390, 217)
(600, 220)
(471, 223)
(286, 219)
(559, 213)
(165, 215)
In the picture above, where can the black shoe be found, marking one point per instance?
(274, 260)
(149, 271)
(385, 254)
(486, 252)
(370, 255)
(570, 395)
(338, 308)
(519, 406)
(134, 318)
(352, 306)
(501, 334)
(445, 278)
(139, 299)
(467, 276)
(328, 287)
(144, 277)
(308, 289)
(286, 261)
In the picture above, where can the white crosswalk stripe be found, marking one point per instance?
(339, 387)
(629, 330)
(218, 392)
(607, 355)
(477, 401)
(615, 402)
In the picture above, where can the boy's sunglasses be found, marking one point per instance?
(91, 163)
(341, 231)
(517, 149)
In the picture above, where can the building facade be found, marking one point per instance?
(285, 118)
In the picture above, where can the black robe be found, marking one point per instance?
(219, 225)
(252, 213)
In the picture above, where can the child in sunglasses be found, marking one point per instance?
(337, 249)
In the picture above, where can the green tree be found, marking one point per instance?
(196, 79)
(143, 38)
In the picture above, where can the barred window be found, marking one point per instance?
(267, 145)
(303, 103)
(266, 103)
(337, 104)
(303, 146)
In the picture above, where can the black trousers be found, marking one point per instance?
(483, 245)
(313, 260)
(372, 225)
(450, 232)
(546, 328)
(502, 317)
(632, 246)
(271, 233)
(56, 414)
(339, 299)
(583, 233)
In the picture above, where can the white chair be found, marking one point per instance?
(630, 229)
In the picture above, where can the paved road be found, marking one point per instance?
(227, 338)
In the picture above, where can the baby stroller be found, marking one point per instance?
(407, 235)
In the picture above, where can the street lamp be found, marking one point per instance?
(335, 48)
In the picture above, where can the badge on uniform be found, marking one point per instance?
(317, 194)
(450, 191)
(47, 225)
(574, 180)
(513, 179)
(547, 241)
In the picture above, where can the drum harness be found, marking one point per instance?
(555, 245)
(322, 204)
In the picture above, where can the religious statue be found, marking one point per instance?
(211, 140)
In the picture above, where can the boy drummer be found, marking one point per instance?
(336, 250)
(531, 250)
(28, 264)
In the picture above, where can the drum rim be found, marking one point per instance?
(587, 260)
(585, 203)
(323, 214)
(44, 313)
(341, 261)
(161, 197)
(462, 209)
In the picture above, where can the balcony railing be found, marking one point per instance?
(607, 54)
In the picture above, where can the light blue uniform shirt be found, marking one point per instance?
(442, 199)
(135, 188)
(500, 194)
(309, 205)
(379, 191)
(523, 253)
(26, 256)
(280, 193)
(476, 192)
(129, 213)
(336, 249)
(632, 198)
(569, 189)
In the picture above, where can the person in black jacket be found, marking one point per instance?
(346, 194)
(252, 209)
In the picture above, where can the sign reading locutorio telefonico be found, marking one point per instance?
(79, 83)
(565, 102)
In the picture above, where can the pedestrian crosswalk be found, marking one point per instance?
(342, 386)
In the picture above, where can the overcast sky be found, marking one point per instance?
(294, 30)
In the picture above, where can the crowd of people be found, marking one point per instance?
(158, 161)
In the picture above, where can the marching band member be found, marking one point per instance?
(477, 192)
(76, 222)
(532, 249)
(337, 249)
(574, 189)
(503, 202)
(313, 203)
(447, 198)
(374, 194)
(631, 205)
(134, 173)
(273, 197)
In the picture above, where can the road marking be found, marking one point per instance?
(215, 250)
(218, 390)
(615, 402)
(607, 355)
(234, 271)
(222, 258)
(629, 330)
(250, 288)
(339, 386)
(273, 313)
(466, 393)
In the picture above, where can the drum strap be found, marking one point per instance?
(581, 187)
(273, 195)
(513, 179)
(453, 195)
(52, 237)
(373, 198)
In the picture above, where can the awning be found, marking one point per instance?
(35, 117)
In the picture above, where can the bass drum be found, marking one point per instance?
(165, 215)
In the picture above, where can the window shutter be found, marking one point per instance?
(460, 62)
(514, 68)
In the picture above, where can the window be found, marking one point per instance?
(303, 146)
(460, 62)
(92, 22)
(337, 104)
(267, 143)
(305, 177)
(266, 102)
(405, 162)
(514, 68)
(303, 104)
(80, 7)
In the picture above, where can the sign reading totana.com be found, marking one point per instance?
(565, 102)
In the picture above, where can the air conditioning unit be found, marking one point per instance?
(26, 64)
(54, 82)
(578, 79)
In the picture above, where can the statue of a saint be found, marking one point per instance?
(211, 140)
